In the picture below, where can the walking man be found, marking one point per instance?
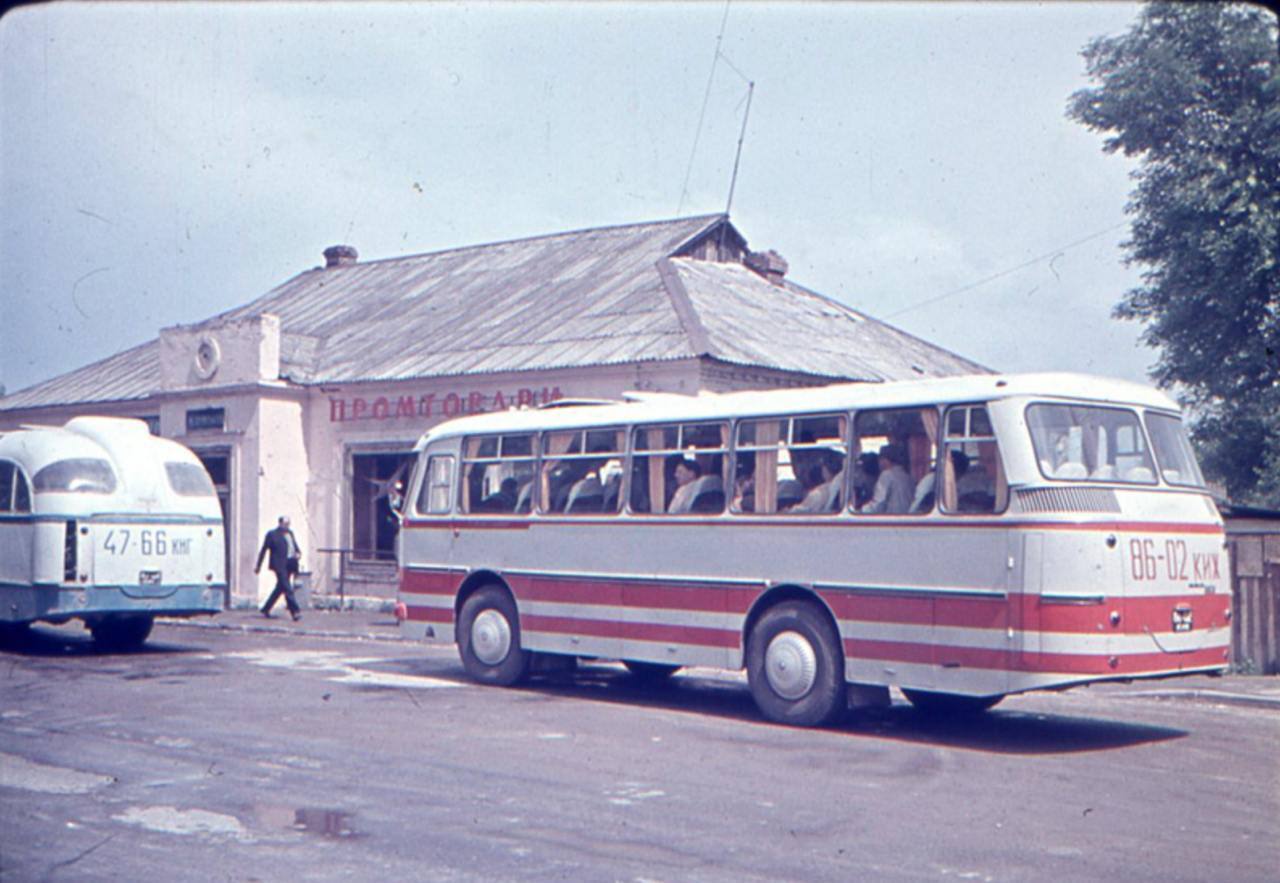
(284, 553)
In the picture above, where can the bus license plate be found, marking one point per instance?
(149, 578)
(1182, 619)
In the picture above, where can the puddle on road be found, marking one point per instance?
(330, 823)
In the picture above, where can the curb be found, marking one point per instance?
(268, 627)
(1196, 695)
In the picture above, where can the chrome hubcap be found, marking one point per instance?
(490, 637)
(790, 665)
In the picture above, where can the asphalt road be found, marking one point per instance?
(213, 755)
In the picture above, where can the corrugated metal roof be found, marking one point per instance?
(128, 375)
(584, 298)
(587, 297)
(751, 321)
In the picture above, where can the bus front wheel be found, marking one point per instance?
(121, 632)
(795, 666)
(489, 638)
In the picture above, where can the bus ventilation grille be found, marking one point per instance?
(1069, 499)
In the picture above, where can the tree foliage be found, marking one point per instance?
(1192, 91)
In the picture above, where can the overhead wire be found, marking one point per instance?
(1049, 255)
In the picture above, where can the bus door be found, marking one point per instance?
(428, 580)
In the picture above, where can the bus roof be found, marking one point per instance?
(643, 407)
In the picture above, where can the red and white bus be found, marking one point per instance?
(959, 539)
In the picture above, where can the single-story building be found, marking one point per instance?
(308, 400)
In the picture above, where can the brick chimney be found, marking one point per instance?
(768, 264)
(339, 256)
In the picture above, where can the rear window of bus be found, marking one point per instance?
(1173, 450)
(1090, 443)
(79, 475)
(189, 480)
(15, 494)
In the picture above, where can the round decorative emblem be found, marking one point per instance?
(208, 357)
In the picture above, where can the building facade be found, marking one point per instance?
(307, 401)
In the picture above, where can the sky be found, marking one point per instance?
(163, 162)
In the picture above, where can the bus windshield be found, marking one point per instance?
(81, 475)
(1173, 450)
(1090, 443)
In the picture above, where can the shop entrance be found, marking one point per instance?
(218, 464)
(375, 480)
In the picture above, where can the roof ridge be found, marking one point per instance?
(706, 219)
(686, 313)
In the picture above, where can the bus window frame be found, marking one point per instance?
(427, 486)
(621, 452)
(856, 451)
(946, 472)
(1184, 443)
(725, 425)
(1087, 480)
(462, 502)
(792, 417)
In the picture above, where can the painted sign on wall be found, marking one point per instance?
(427, 405)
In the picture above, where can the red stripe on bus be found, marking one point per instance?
(635, 631)
(641, 595)
(1025, 612)
(429, 582)
(1033, 663)
(1137, 615)
(429, 614)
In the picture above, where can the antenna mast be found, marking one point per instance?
(751, 88)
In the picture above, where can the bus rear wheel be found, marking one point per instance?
(489, 638)
(795, 666)
(928, 702)
(121, 632)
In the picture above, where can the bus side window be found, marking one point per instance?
(437, 486)
(973, 479)
(792, 465)
(21, 492)
(582, 471)
(679, 469)
(7, 473)
(496, 469)
(894, 469)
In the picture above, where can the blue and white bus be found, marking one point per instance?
(103, 522)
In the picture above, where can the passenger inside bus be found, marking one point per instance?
(866, 469)
(687, 472)
(744, 483)
(587, 493)
(827, 480)
(503, 500)
(894, 488)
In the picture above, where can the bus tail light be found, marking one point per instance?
(69, 554)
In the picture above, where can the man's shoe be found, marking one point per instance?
(266, 613)
(297, 616)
